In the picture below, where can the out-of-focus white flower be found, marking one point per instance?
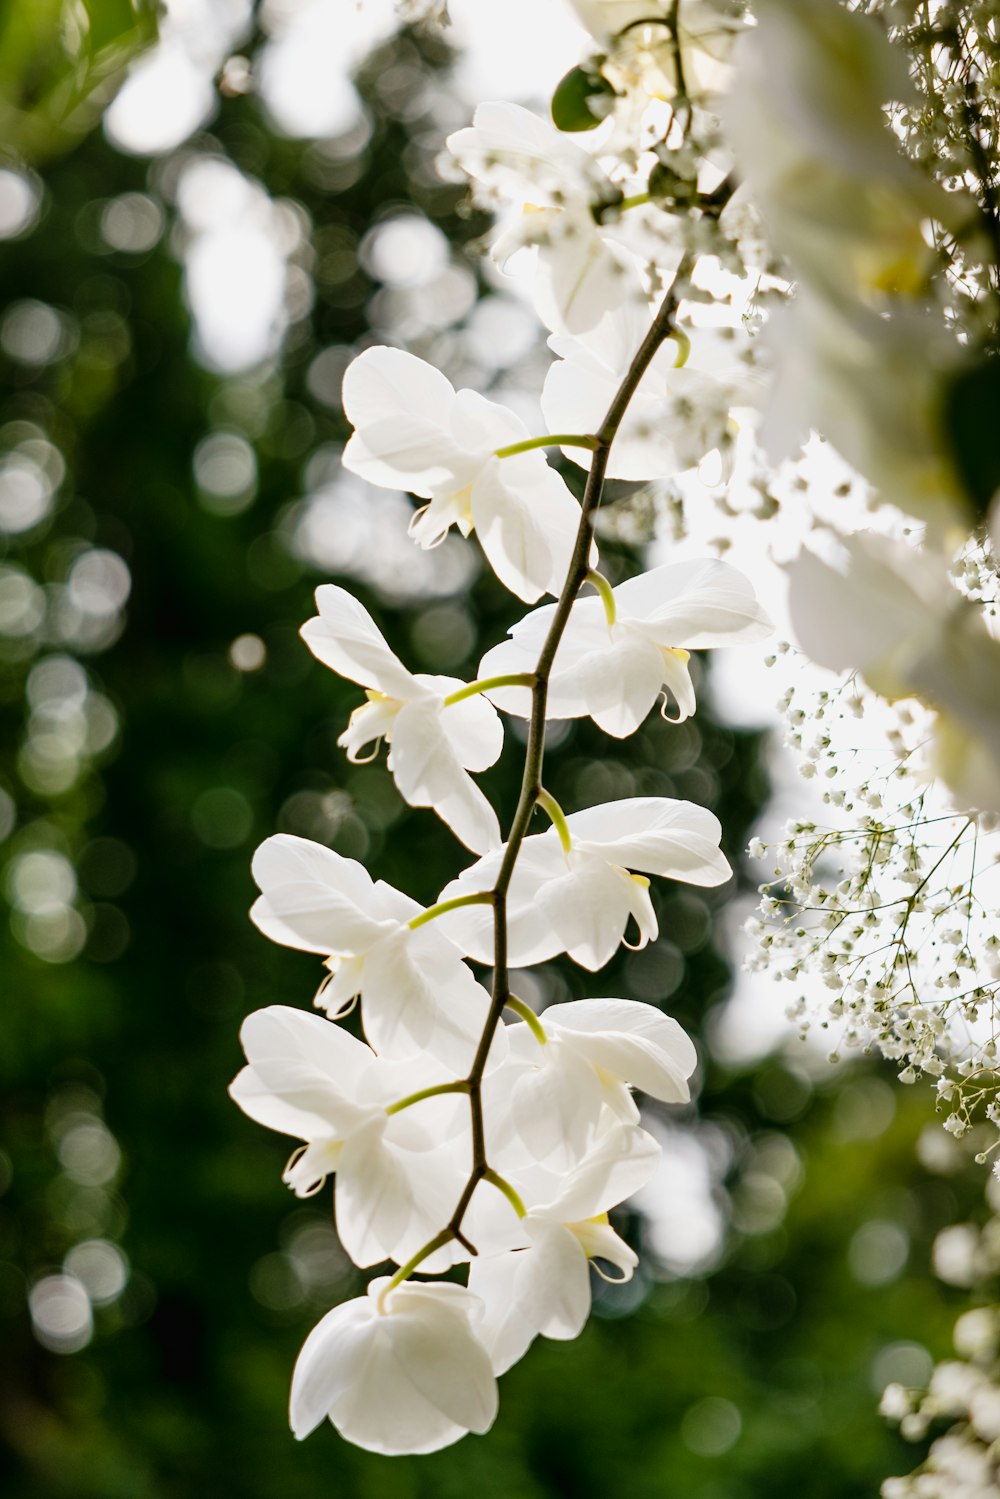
(679, 413)
(311, 1079)
(558, 192)
(806, 121)
(872, 385)
(550, 1097)
(417, 994)
(432, 743)
(614, 670)
(397, 1372)
(543, 1285)
(414, 431)
(891, 612)
(578, 900)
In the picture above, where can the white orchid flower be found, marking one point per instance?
(573, 1067)
(680, 412)
(543, 1285)
(414, 431)
(572, 890)
(435, 734)
(416, 993)
(557, 191)
(398, 1370)
(620, 650)
(891, 612)
(314, 1081)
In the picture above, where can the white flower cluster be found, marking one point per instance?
(879, 912)
(964, 1462)
(456, 1137)
(889, 909)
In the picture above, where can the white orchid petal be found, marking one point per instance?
(473, 727)
(588, 909)
(617, 686)
(391, 1201)
(313, 898)
(388, 1387)
(383, 379)
(695, 605)
(463, 1389)
(580, 275)
(631, 1041)
(621, 1160)
(402, 452)
(509, 147)
(332, 1358)
(526, 520)
(656, 835)
(482, 426)
(419, 996)
(401, 409)
(428, 774)
(560, 1279)
(555, 1105)
(262, 1105)
(509, 1327)
(346, 638)
(306, 1060)
(600, 1242)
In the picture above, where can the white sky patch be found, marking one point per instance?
(508, 52)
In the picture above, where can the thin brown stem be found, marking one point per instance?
(531, 781)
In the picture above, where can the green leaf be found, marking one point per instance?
(581, 100)
(61, 62)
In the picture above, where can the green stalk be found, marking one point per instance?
(422, 1093)
(550, 440)
(487, 684)
(557, 817)
(480, 898)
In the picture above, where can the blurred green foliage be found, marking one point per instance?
(758, 1379)
(60, 64)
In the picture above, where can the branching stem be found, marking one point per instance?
(532, 791)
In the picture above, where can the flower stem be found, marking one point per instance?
(550, 440)
(504, 1186)
(480, 898)
(530, 1019)
(607, 593)
(405, 1271)
(557, 817)
(531, 779)
(433, 1092)
(487, 684)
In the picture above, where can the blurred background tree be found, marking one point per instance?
(171, 345)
